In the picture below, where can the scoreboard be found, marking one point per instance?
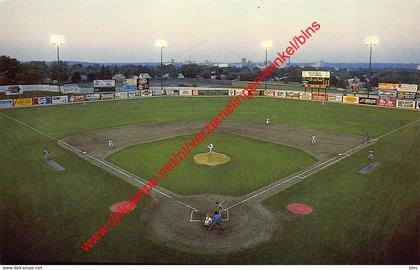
(316, 79)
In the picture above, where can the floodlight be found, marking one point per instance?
(372, 41)
(161, 43)
(57, 40)
(266, 44)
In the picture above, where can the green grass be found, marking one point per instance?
(253, 164)
(45, 215)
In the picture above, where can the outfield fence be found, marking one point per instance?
(89, 96)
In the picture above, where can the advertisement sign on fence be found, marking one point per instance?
(41, 100)
(270, 93)
(185, 92)
(59, 99)
(319, 96)
(292, 94)
(418, 105)
(351, 99)
(134, 94)
(367, 101)
(22, 102)
(143, 84)
(121, 95)
(146, 93)
(70, 88)
(306, 96)
(6, 103)
(385, 102)
(107, 96)
(76, 98)
(387, 86)
(281, 94)
(91, 97)
(407, 95)
(408, 104)
(158, 92)
(335, 98)
(387, 93)
(407, 87)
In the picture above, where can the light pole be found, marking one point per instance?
(58, 40)
(161, 43)
(266, 44)
(370, 42)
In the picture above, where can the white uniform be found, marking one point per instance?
(313, 139)
(207, 221)
(267, 121)
(110, 144)
(210, 147)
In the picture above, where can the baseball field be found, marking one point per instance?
(358, 218)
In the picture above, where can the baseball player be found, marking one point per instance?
(46, 154)
(217, 219)
(159, 121)
(314, 140)
(370, 156)
(110, 144)
(208, 220)
(210, 147)
(267, 121)
(219, 207)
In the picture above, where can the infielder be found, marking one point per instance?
(314, 140)
(370, 156)
(46, 154)
(267, 121)
(110, 144)
(219, 207)
(210, 147)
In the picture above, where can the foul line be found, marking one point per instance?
(329, 163)
(97, 160)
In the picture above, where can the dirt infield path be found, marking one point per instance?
(249, 222)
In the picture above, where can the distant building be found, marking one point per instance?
(243, 62)
(418, 67)
(144, 76)
(118, 77)
(319, 64)
(180, 76)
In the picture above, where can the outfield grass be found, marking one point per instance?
(253, 164)
(373, 219)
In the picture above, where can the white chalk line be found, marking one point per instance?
(97, 160)
(329, 163)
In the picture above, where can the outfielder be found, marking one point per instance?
(110, 144)
(370, 156)
(314, 140)
(267, 121)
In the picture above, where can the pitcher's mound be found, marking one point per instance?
(299, 208)
(211, 159)
(121, 207)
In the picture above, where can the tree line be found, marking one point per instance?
(38, 72)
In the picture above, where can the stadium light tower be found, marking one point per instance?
(371, 42)
(58, 40)
(266, 44)
(161, 43)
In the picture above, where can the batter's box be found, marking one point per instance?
(197, 216)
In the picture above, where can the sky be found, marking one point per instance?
(106, 31)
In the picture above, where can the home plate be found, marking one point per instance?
(369, 167)
(55, 165)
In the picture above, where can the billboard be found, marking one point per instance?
(134, 94)
(22, 102)
(6, 103)
(335, 98)
(407, 87)
(387, 86)
(292, 94)
(385, 102)
(70, 88)
(306, 96)
(406, 95)
(383, 93)
(107, 96)
(59, 99)
(146, 93)
(76, 98)
(367, 101)
(13, 90)
(316, 79)
(103, 85)
(187, 92)
(120, 95)
(143, 84)
(350, 99)
(91, 97)
(408, 104)
(131, 82)
(129, 87)
(41, 100)
(418, 105)
(158, 92)
(319, 96)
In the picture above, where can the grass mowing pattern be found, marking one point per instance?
(45, 216)
(253, 164)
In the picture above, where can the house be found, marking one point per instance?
(180, 76)
(119, 77)
(144, 76)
